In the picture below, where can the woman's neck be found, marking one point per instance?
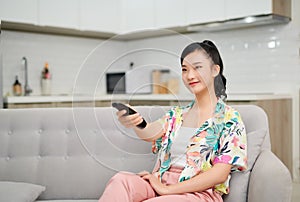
(206, 102)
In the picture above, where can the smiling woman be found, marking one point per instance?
(198, 145)
(205, 58)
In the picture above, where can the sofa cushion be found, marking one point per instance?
(239, 180)
(255, 140)
(19, 191)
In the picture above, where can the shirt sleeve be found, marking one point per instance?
(232, 147)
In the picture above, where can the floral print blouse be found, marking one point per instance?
(221, 139)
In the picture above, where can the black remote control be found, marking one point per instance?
(129, 111)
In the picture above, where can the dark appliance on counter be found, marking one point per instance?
(115, 83)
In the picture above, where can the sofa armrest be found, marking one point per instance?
(270, 180)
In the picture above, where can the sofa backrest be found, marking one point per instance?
(74, 151)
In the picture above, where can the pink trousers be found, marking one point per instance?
(129, 187)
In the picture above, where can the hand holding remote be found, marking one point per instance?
(129, 111)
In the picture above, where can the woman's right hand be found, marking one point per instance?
(151, 132)
(129, 121)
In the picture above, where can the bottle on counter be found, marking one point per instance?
(46, 80)
(46, 73)
(17, 87)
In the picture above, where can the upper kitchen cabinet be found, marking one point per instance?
(137, 15)
(242, 8)
(100, 15)
(19, 11)
(170, 13)
(134, 19)
(235, 14)
(203, 11)
(57, 13)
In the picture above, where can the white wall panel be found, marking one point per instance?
(59, 13)
(250, 64)
(19, 11)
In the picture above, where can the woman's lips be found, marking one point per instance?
(193, 83)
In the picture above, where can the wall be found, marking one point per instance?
(76, 64)
(259, 60)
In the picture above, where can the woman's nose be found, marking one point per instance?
(191, 74)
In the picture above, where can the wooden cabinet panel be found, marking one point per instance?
(280, 125)
(280, 116)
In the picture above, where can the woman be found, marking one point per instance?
(198, 145)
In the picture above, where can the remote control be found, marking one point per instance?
(129, 111)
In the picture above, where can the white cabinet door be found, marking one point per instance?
(242, 8)
(100, 15)
(203, 11)
(59, 13)
(170, 13)
(137, 15)
(19, 11)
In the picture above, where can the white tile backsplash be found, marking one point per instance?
(262, 59)
(250, 64)
(68, 57)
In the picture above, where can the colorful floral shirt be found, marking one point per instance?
(221, 139)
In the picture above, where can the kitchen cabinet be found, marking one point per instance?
(243, 8)
(137, 15)
(100, 15)
(104, 19)
(170, 13)
(202, 11)
(19, 11)
(59, 13)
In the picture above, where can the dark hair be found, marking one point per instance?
(211, 50)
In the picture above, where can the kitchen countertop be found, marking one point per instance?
(154, 97)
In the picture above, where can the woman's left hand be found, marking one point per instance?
(159, 187)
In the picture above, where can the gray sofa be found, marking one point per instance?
(68, 154)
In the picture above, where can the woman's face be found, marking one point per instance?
(198, 72)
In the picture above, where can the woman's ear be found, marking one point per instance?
(215, 70)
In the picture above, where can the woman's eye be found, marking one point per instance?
(183, 70)
(198, 67)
